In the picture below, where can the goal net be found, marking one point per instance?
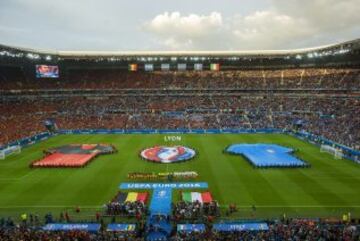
(9, 150)
(337, 153)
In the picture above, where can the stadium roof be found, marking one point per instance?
(91, 54)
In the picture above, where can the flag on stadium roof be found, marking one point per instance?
(133, 67)
(215, 67)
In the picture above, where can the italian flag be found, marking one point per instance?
(133, 67)
(215, 67)
(204, 197)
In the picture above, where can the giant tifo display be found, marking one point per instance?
(74, 155)
(180, 145)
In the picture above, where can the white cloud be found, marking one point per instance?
(328, 14)
(191, 25)
(287, 24)
(179, 32)
(131, 25)
(268, 29)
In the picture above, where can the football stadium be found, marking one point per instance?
(180, 145)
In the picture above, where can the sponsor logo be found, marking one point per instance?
(164, 154)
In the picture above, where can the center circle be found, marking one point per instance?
(168, 154)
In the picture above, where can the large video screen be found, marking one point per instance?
(47, 71)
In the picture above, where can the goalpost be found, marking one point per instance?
(337, 153)
(9, 150)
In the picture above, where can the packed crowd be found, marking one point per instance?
(195, 210)
(277, 104)
(335, 118)
(287, 230)
(312, 78)
(32, 234)
(30, 229)
(280, 231)
(134, 209)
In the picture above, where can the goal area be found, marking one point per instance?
(337, 153)
(9, 151)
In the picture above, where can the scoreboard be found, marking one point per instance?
(47, 71)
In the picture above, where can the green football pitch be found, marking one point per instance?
(329, 188)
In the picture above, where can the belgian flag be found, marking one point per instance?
(121, 197)
(132, 197)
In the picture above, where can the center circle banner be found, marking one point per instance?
(166, 154)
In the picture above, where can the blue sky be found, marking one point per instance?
(177, 25)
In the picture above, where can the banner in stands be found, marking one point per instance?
(28, 140)
(164, 131)
(191, 228)
(230, 227)
(127, 185)
(89, 227)
(120, 227)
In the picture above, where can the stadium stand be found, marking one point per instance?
(284, 79)
(332, 116)
(287, 91)
(296, 229)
